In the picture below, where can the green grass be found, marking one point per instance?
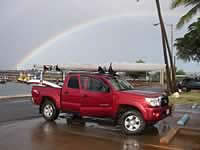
(185, 98)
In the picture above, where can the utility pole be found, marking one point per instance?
(167, 52)
(171, 61)
(172, 36)
(171, 54)
(172, 47)
(172, 39)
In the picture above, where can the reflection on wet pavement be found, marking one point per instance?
(37, 134)
(40, 135)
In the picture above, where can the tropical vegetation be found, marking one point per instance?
(188, 47)
(194, 7)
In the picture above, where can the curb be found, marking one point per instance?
(187, 111)
(15, 96)
(178, 108)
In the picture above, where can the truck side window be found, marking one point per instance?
(73, 82)
(96, 85)
(84, 81)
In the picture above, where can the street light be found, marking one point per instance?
(172, 40)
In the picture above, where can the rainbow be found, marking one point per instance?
(34, 52)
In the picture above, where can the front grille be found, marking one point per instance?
(164, 101)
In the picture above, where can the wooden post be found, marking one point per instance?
(170, 135)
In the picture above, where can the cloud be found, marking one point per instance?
(116, 39)
(25, 25)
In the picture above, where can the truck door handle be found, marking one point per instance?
(66, 92)
(85, 95)
(104, 105)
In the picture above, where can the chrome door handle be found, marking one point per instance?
(85, 95)
(104, 105)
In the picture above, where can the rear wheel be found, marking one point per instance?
(132, 122)
(49, 111)
(185, 89)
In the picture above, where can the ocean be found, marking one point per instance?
(12, 88)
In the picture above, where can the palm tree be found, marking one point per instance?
(195, 7)
(166, 51)
(188, 46)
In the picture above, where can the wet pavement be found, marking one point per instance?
(17, 109)
(40, 135)
(37, 134)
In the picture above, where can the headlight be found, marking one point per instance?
(153, 101)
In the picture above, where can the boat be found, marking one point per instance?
(23, 78)
(3, 79)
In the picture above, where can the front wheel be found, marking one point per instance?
(185, 89)
(132, 122)
(49, 111)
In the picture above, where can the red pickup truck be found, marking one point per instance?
(104, 96)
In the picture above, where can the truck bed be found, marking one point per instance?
(39, 93)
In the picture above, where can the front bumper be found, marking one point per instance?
(158, 113)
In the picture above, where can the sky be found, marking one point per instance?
(84, 32)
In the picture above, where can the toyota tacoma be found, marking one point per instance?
(103, 96)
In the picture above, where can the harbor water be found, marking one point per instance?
(13, 88)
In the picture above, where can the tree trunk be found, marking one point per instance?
(169, 83)
(171, 62)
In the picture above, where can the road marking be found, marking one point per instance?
(21, 101)
(15, 96)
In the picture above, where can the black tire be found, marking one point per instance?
(76, 119)
(69, 121)
(49, 111)
(151, 124)
(185, 89)
(132, 126)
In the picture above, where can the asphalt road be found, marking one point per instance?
(38, 134)
(20, 131)
(17, 109)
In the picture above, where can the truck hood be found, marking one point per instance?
(142, 93)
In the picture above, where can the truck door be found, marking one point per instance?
(71, 98)
(96, 97)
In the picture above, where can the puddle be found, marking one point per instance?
(40, 135)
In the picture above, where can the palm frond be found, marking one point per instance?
(177, 3)
(188, 16)
(192, 2)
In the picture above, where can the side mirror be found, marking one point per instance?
(107, 89)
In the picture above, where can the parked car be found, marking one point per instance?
(103, 96)
(189, 84)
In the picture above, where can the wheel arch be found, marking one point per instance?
(126, 107)
(46, 98)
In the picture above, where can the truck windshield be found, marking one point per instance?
(120, 84)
